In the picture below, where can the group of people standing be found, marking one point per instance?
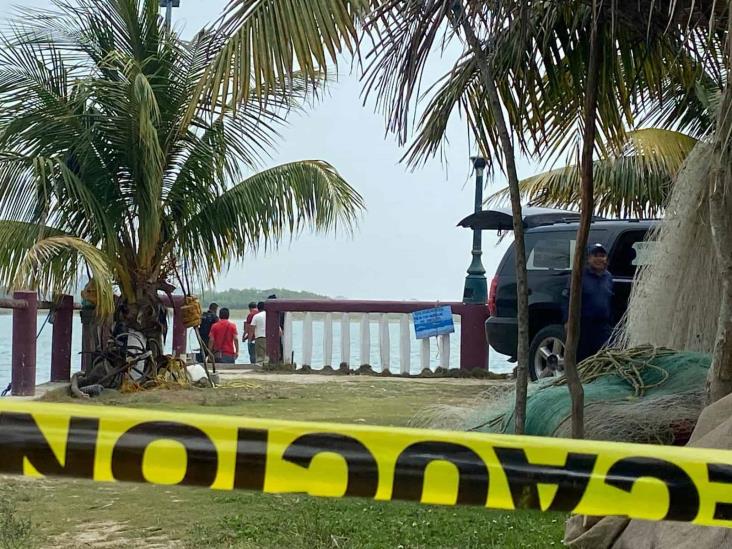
(221, 337)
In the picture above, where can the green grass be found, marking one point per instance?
(71, 513)
(303, 522)
(15, 530)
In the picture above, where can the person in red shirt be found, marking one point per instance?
(224, 339)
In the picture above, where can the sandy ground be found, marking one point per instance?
(309, 379)
(306, 379)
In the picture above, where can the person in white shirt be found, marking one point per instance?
(258, 332)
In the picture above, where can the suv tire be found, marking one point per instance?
(546, 349)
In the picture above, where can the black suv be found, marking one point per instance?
(550, 240)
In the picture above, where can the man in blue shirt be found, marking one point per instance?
(596, 318)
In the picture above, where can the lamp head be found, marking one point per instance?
(479, 162)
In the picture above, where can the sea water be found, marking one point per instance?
(498, 363)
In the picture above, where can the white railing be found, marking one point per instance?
(394, 348)
(318, 331)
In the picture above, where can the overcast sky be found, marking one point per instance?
(407, 245)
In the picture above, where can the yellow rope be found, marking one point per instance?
(628, 364)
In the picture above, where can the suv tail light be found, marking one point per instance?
(492, 296)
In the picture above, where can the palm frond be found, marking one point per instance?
(635, 183)
(260, 210)
(16, 238)
(270, 40)
(51, 263)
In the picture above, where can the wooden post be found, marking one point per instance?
(179, 331)
(307, 340)
(25, 324)
(345, 339)
(384, 342)
(272, 333)
(405, 343)
(328, 340)
(88, 337)
(61, 339)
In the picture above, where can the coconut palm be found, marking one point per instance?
(113, 162)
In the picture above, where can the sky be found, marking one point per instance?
(406, 245)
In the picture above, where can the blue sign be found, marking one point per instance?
(433, 322)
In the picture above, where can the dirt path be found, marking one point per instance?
(309, 379)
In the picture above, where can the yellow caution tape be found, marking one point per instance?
(323, 459)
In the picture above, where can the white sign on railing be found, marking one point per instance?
(433, 322)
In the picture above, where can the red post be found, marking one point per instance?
(25, 324)
(61, 340)
(473, 345)
(179, 331)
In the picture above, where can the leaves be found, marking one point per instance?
(260, 210)
(46, 264)
(656, 66)
(269, 40)
(635, 182)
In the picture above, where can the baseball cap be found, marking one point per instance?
(597, 248)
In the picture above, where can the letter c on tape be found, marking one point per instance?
(683, 496)
(412, 462)
(363, 471)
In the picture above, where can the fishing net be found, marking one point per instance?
(645, 394)
(676, 297)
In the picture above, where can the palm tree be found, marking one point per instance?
(113, 161)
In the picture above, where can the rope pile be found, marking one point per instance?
(171, 374)
(643, 394)
(628, 364)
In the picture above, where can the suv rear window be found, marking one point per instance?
(550, 250)
(630, 252)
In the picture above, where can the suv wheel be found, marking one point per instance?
(546, 352)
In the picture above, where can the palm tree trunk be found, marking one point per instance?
(147, 315)
(720, 210)
(522, 286)
(586, 208)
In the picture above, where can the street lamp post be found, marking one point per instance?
(476, 286)
(169, 5)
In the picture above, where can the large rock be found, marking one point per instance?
(713, 430)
